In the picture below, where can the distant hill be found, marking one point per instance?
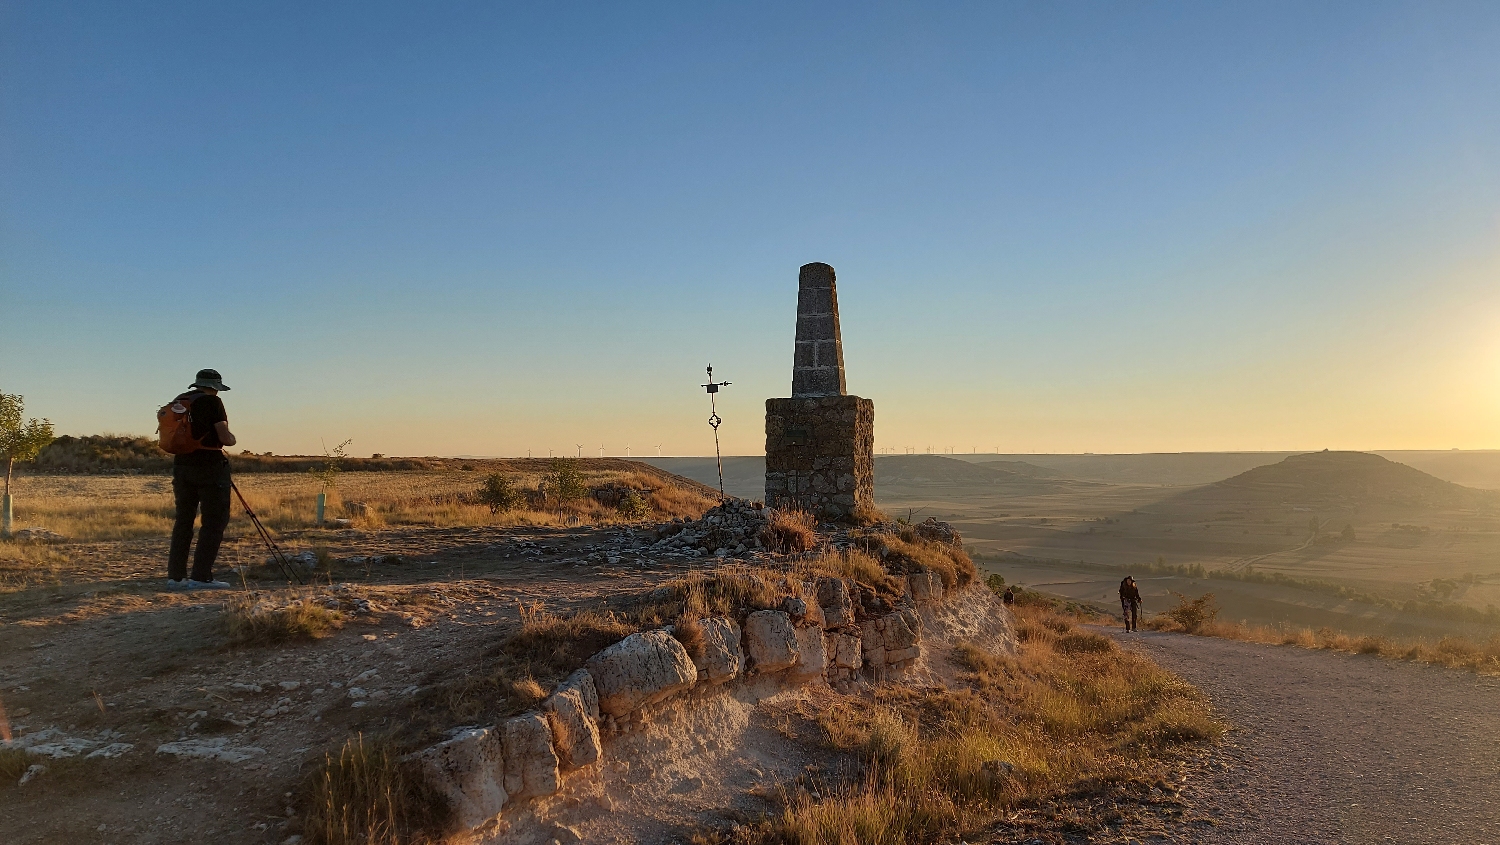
(1023, 468)
(939, 470)
(1356, 478)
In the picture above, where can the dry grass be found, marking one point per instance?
(789, 531)
(133, 507)
(251, 620)
(13, 764)
(857, 564)
(366, 796)
(25, 565)
(1070, 709)
(1450, 651)
(909, 553)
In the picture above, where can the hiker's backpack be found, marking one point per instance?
(174, 423)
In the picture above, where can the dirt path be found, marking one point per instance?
(1339, 748)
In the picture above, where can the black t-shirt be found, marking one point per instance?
(207, 411)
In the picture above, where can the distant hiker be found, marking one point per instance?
(1010, 596)
(195, 428)
(1130, 603)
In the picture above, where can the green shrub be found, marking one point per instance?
(499, 494)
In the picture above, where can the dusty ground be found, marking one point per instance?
(1336, 748)
(109, 658)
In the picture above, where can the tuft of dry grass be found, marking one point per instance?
(367, 796)
(13, 763)
(1450, 651)
(250, 620)
(789, 531)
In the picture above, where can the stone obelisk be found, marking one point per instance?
(820, 443)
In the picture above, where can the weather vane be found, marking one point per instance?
(713, 420)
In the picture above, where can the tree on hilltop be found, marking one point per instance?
(18, 442)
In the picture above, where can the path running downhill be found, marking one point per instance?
(1339, 748)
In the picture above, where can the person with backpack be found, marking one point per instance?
(1130, 604)
(195, 428)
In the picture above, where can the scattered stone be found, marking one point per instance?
(37, 535)
(641, 669)
(33, 771)
(110, 752)
(530, 760)
(721, 659)
(468, 769)
(210, 749)
(770, 640)
(937, 531)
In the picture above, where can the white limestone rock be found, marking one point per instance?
(722, 659)
(530, 759)
(925, 587)
(573, 712)
(468, 769)
(770, 641)
(639, 670)
(835, 601)
(812, 655)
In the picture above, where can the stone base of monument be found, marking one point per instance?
(820, 455)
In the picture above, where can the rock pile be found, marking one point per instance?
(731, 528)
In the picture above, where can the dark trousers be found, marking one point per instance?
(195, 486)
(1132, 613)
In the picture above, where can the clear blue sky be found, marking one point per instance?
(444, 228)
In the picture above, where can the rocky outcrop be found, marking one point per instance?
(770, 641)
(721, 659)
(816, 636)
(468, 769)
(731, 528)
(639, 670)
(530, 758)
(573, 714)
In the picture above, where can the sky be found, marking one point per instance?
(482, 229)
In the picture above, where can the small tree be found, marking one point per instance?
(18, 442)
(328, 473)
(499, 494)
(1347, 535)
(565, 481)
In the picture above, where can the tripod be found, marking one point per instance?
(277, 554)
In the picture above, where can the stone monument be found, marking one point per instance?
(820, 443)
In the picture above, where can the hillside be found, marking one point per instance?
(1029, 470)
(938, 470)
(1348, 478)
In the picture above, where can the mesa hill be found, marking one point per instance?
(1350, 478)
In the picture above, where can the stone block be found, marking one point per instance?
(573, 713)
(770, 640)
(835, 601)
(530, 758)
(820, 454)
(844, 651)
(641, 669)
(812, 654)
(469, 770)
(925, 587)
(722, 658)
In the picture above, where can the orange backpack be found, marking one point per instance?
(174, 422)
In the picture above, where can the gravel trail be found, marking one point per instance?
(1331, 747)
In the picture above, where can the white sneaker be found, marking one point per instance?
(208, 585)
(177, 584)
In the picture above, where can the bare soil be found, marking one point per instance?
(1335, 748)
